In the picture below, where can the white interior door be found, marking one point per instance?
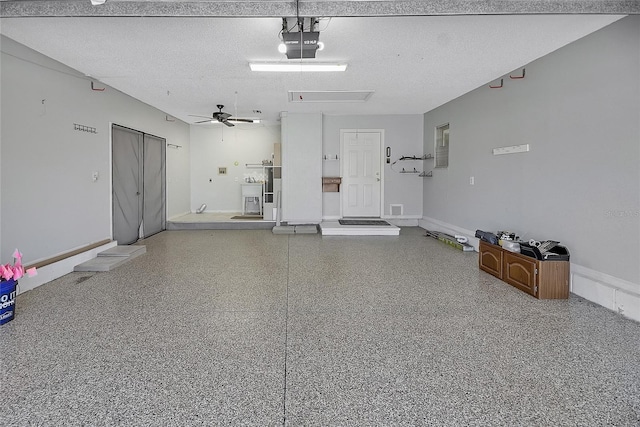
(361, 174)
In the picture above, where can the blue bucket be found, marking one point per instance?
(7, 300)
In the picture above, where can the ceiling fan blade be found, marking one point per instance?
(205, 121)
(204, 117)
(241, 120)
(227, 123)
(221, 116)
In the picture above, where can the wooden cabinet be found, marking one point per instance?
(542, 279)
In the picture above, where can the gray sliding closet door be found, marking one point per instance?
(127, 189)
(153, 215)
(138, 164)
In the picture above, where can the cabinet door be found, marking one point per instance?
(521, 272)
(490, 259)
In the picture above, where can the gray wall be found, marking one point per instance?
(403, 133)
(301, 168)
(578, 108)
(50, 204)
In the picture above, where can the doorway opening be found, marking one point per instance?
(138, 184)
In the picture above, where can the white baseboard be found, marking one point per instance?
(403, 220)
(603, 289)
(437, 225)
(179, 215)
(608, 291)
(58, 269)
(331, 217)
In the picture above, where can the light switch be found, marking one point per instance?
(94, 176)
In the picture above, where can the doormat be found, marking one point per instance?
(363, 222)
(247, 217)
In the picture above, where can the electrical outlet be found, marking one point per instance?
(94, 176)
(472, 180)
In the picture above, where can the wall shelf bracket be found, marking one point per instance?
(96, 88)
(498, 87)
(517, 77)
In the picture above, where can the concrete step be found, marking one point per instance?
(130, 251)
(334, 228)
(295, 229)
(112, 258)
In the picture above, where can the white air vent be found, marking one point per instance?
(396, 210)
(330, 95)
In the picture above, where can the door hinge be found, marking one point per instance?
(535, 271)
(535, 290)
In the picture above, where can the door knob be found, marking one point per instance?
(378, 179)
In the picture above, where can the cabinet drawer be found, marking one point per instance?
(490, 259)
(520, 272)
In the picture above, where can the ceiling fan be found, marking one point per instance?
(224, 118)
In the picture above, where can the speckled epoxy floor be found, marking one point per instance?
(244, 327)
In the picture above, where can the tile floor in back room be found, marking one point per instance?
(244, 327)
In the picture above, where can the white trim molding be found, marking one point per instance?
(403, 220)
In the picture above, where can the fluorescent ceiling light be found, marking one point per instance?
(295, 67)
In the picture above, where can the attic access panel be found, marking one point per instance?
(330, 95)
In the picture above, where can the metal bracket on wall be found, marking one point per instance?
(498, 87)
(83, 128)
(517, 77)
(97, 89)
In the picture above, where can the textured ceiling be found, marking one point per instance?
(187, 65)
